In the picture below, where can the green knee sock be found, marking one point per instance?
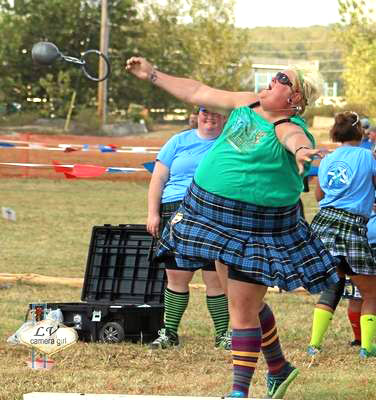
(175, 304)
(218, 309)
(368, 330)
(321, 321)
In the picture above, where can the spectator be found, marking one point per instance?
(346, 194)
(193, 119)
(173, 173)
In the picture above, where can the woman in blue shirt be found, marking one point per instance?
(346, 193)
(173, 173)
(351, 291)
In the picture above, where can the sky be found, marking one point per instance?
(294, 13)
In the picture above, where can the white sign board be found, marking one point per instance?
(48, 336)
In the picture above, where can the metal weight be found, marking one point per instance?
(45, 53)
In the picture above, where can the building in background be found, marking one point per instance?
(263, 70)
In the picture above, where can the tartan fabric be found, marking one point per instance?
(166, 210)
(345, 234)
(351, 291)
(271, 245)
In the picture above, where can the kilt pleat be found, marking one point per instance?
(271, 245)
(345, 234)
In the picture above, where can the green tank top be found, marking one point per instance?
(248, 163)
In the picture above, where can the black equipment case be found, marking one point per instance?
(123, 290)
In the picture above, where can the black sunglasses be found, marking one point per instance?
(283, 79)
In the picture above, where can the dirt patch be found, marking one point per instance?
(78, 282)
(93, 156)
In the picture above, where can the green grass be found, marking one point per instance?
(55, 219)
(51, 237)
(195, 368)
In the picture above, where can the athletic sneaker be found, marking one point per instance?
(312, 350)
(223, 341)
(364, 353)
(277, 384)
(237, 394)
(165, 340)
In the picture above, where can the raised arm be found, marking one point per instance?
(189, 90)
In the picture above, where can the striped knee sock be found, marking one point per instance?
(270, 345)
(218, 310)
(246, 344)
(175, 304)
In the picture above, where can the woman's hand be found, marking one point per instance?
(153, 225)
(305, 154)
(139, 67)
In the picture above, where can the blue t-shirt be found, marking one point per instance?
(371, 229)
(366, 144)
(182, 154)
(345, 177)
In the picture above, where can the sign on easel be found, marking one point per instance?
(48, 337)
(45, 335)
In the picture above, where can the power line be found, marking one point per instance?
(326, 61)
(299, 51)
(320, 61)
(332, 71)
(299, 41)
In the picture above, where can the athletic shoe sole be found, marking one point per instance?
(281, 391)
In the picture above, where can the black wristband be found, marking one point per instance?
(302, 147)
(153, 76)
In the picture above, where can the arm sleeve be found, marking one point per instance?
(167, 152)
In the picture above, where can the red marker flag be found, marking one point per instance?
(61, 168)
(79, 170)
(86, 171)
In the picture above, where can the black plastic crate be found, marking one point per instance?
(123, 290)
(120, 269)
(108, 323)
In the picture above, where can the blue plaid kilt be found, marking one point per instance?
(345, 234)
(270, 245)
(166, 211)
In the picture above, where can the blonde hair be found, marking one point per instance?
(309, 82)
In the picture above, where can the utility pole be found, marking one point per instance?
(102, 86)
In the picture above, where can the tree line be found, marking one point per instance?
(195, 38)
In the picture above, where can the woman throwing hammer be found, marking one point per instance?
(242, 211)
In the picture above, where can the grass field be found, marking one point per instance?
(51, 237)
